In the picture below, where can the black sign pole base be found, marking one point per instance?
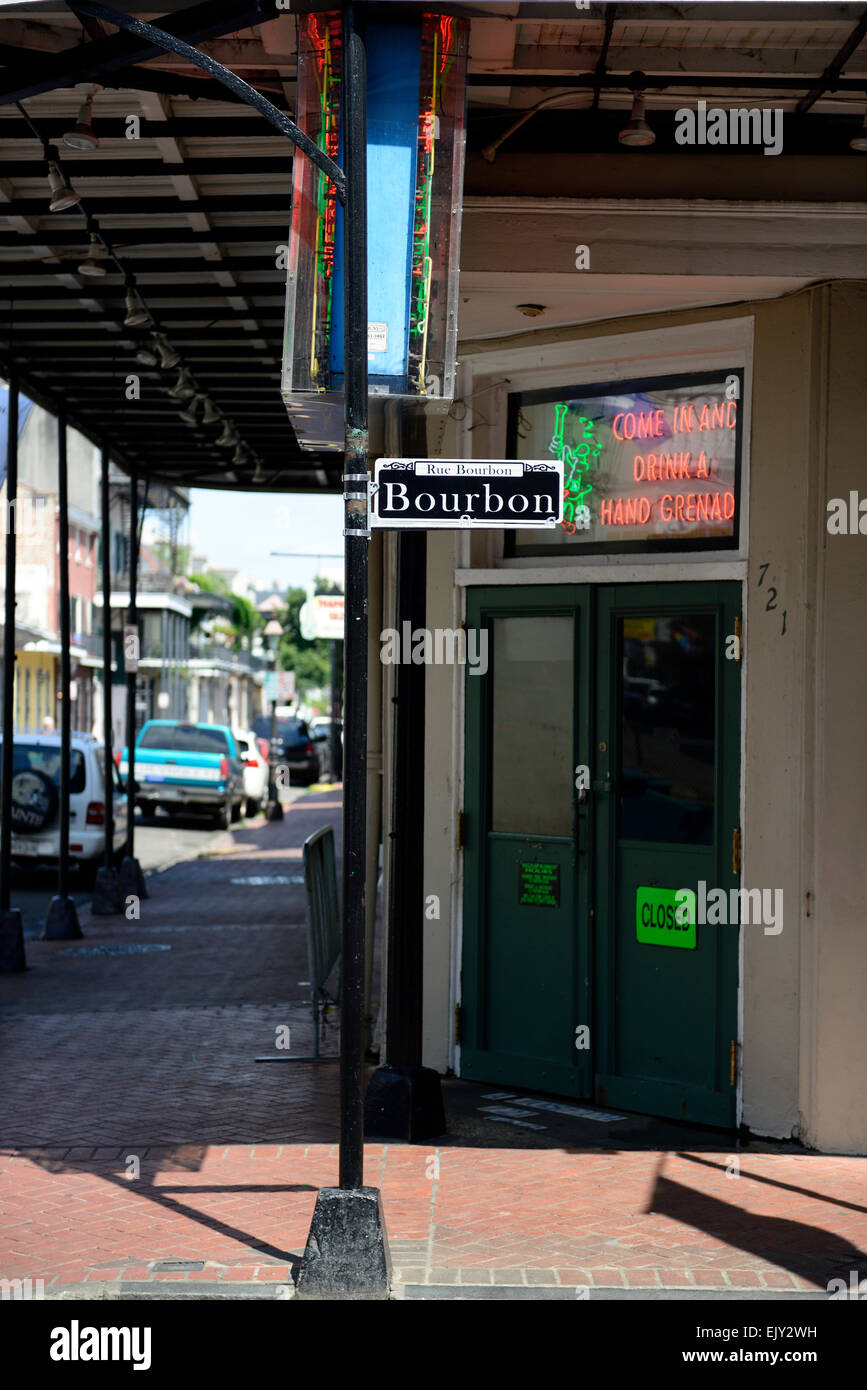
(132, 880)
(61, 924)
(274, 808)
(404, 1103)
(12, 960)
(347, 1248)
(107, 895)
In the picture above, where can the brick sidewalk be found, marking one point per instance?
(137, 1128)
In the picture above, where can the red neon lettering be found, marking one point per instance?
(731, 414)
(630, 517)
(702, 505)
(618, 512)
(728, 503)
(659, 423)
(678, 507)
(605, 513)
(614, 427)
(665, 511)
(638, 468)
(644, 509)
(717, 416)
(690, 502)
(716, 510)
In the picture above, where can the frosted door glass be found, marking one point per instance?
(533, 683)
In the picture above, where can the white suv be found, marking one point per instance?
(36, 802)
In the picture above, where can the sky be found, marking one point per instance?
(238, 530)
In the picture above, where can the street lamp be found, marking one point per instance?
(272, 634)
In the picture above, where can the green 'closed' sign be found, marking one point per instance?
(659, 914)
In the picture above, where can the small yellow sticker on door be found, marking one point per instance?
(665, 917)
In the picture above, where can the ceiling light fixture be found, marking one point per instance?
(227, 436)
(192, 410)
(136, 313)
(183, 387)
(146, 356)
(93, 263)
(532, 311)
(62, 196)
(240, 454)
(168, 356)
(210, 414)
(637, 133)
(258, 473)
(859, 141)
(81, 136)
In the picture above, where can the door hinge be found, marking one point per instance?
(457, 1024)
(460, 835)
(736, 851)
(733, 1062)
(739, 636)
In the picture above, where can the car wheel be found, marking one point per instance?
(237, 807)
(253, 807)
(223, 817)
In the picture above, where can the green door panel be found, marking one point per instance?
(667, 1017)
(526, 971)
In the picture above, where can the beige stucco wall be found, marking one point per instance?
(804, 771)
(834, 979)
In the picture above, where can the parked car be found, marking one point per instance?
(320, 728)
(188, 767)
(36, 802)
(255, 771)
(293, 747)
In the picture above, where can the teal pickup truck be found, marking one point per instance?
(187, 767)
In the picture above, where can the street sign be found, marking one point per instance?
(272, 688)
(454, 493)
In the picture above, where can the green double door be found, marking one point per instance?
(602, 778)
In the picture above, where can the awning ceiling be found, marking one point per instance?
(196, 209)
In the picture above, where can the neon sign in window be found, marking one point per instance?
(647, 465)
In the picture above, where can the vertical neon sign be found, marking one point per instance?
(422, 262)
(327, 138)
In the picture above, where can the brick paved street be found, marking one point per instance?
(137, 1128)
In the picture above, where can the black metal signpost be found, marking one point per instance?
(107, 897)
(347, 1251)
(11, 927)
(61, 922)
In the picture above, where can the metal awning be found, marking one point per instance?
(195, 209)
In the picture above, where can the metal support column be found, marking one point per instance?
(61, 922)
(107, 897)
(347, 1249)
(12, 957)
(132, 881)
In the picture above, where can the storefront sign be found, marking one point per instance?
(656, 917)
(450, 493)
(651, 465)
(538, 885)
